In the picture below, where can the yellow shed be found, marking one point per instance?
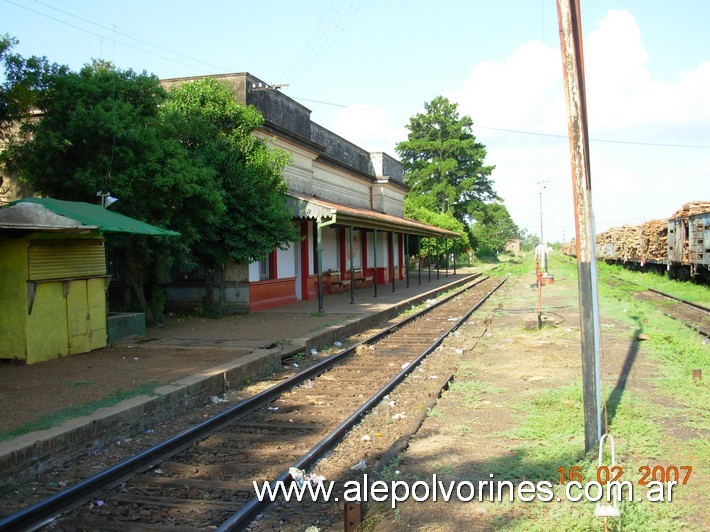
(53, 282)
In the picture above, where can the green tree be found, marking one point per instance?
(443, 161)
(428, 246)
(24, 79)
(217, 131)
(102, 129)
(493, 228)
(528, 240)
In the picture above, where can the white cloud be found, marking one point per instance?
(524, 92)
(625, 102)
(365, 125)
(514, 92)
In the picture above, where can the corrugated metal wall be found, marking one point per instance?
(60, 259)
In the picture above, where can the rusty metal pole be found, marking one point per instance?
(569, 18)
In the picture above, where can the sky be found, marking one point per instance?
(364, 68)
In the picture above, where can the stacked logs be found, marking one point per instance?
(640, 243)
(569, 248)
(654, 240)
(692, 208)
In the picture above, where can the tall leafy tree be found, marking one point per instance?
(493, 228)
(416, 209)
(102, 129)
(24, 79)
(443, 161)
(217, 131)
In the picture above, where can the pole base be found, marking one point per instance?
(537, 321)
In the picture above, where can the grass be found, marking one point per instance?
(547, 434)
(65, 414)
(471, 392)
(696, 293)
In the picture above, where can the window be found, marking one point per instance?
(267, 267)
(264, 268)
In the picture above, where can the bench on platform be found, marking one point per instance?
(337, 283)
(361, 280)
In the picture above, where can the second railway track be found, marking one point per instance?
(203, 477)
(692, 314)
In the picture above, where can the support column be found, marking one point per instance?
(419, 257)
(400, 254)
(446, 256)
(305, 255)
(429, 271)
(341, 250)
(437, 259)
(406, 257)
(319, 253)
(352, 268)
(391, 256)
(374, 258)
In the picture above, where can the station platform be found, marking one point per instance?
(249, 347)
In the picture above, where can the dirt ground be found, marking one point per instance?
(465, 436)
(468, 436)
(29, 392)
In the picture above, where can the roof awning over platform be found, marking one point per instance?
(312, 208)
(81, 216)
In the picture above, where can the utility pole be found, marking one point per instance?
(542, 239)
(569, 18)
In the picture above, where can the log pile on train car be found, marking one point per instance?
(679, 245)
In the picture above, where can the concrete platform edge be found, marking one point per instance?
(26, 456)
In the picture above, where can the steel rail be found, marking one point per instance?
(250, 511)
(43, 512)
(696, 328)
(689, 303)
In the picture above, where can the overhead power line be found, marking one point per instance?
(331, 23)
(115, 32)
(610, 141)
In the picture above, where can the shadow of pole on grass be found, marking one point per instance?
(614, 400)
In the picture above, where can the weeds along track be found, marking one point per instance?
(693, 315)
(203, 477)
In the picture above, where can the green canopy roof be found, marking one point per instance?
(106, 221)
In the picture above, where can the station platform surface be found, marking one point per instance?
(196, 358)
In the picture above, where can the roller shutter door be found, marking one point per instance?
(62, 259)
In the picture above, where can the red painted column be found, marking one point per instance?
(390, 253)
(305, 245)
(400, 245)
(273, 266)
(363, 245)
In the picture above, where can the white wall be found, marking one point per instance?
(330, 249)
(357, 249)
(253, 272)
(382, 258)
(286, 261)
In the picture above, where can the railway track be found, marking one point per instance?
(692, 314)
(203, 477)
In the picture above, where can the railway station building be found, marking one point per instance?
(347, 202)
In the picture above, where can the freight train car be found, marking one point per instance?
(689, 246)
(679, 245)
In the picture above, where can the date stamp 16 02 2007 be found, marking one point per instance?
(659, 480)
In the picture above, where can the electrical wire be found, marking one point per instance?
(610, 141)
(124, 44)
